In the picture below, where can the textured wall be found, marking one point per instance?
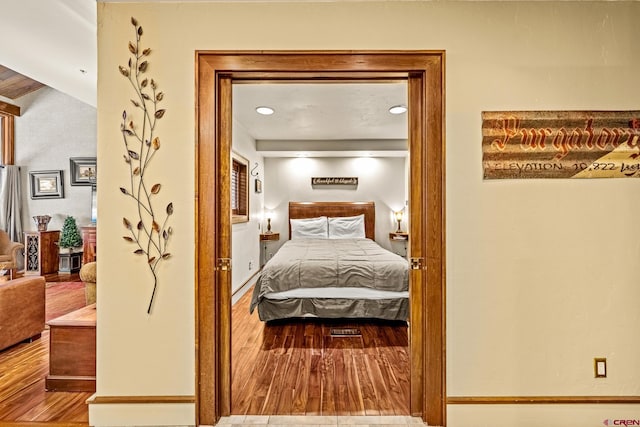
(52, 128)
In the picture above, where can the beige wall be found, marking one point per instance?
(542, 276)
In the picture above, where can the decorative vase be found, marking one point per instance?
(42, 221)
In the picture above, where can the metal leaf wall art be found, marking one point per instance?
(149, 232)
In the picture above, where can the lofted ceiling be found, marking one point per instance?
(55, 42)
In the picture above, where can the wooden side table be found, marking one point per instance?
(265, 238)
(399, 236)
(41, 252)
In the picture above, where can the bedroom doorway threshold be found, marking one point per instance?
(321, 421)
(215, 73)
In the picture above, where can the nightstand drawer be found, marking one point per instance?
(270, 236)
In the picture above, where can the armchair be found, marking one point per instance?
(88, 274)
(9, 252)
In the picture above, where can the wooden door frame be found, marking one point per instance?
(215, 72)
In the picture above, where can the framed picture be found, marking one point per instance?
(258, 186)
(46, 185)
(83, 170)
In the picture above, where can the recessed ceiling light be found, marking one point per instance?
(398, 109)
(265, 111)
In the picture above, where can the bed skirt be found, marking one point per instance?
(334, 308)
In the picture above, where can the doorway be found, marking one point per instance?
(424, 72)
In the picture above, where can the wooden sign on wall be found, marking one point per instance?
(560, 144)
(335, 181)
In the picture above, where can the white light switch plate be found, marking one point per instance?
(600, 367)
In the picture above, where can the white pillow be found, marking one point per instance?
(309, 228)
(347, 227)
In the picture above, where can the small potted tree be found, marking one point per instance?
(70, 247)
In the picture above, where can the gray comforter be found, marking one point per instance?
(304, 263)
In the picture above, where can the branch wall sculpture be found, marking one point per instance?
(148, 232)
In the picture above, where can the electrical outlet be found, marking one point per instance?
(250, 265)
(600, 367)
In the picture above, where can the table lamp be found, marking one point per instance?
(399, 215)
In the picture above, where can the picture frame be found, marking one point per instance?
(47, 184)
(83, 170)
(258, 186)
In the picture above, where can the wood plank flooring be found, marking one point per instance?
(283, 368)
(63, 298)
(23, 368)
(296, 367)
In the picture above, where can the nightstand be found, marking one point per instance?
(399, 242)
(399, 236)
(266, 239)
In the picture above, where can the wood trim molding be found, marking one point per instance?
(43, 423)
(539, 400)
(223, 228)
(140, 400)
(8, 144)
(11, 109)
(215, 71)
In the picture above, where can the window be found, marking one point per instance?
(239, 189)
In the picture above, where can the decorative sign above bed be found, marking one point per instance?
(335, 181)
(560, 144)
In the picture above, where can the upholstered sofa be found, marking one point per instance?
(22, 305)
(88, 274)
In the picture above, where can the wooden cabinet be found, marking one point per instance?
(72, 351)
(88, 244)
(41, 252)
(269, 236)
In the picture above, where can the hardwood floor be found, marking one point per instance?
(283, 368)
(296, 367)
(23, 368)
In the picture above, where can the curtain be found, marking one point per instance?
(11, 202)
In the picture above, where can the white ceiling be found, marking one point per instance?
(321, 111)
(51, 41)
(57, 39)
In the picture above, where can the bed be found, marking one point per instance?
(332, 268)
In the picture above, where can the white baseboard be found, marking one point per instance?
(235, 296)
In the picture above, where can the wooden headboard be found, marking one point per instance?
(299, 210)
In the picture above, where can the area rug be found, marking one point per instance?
(63, 298)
